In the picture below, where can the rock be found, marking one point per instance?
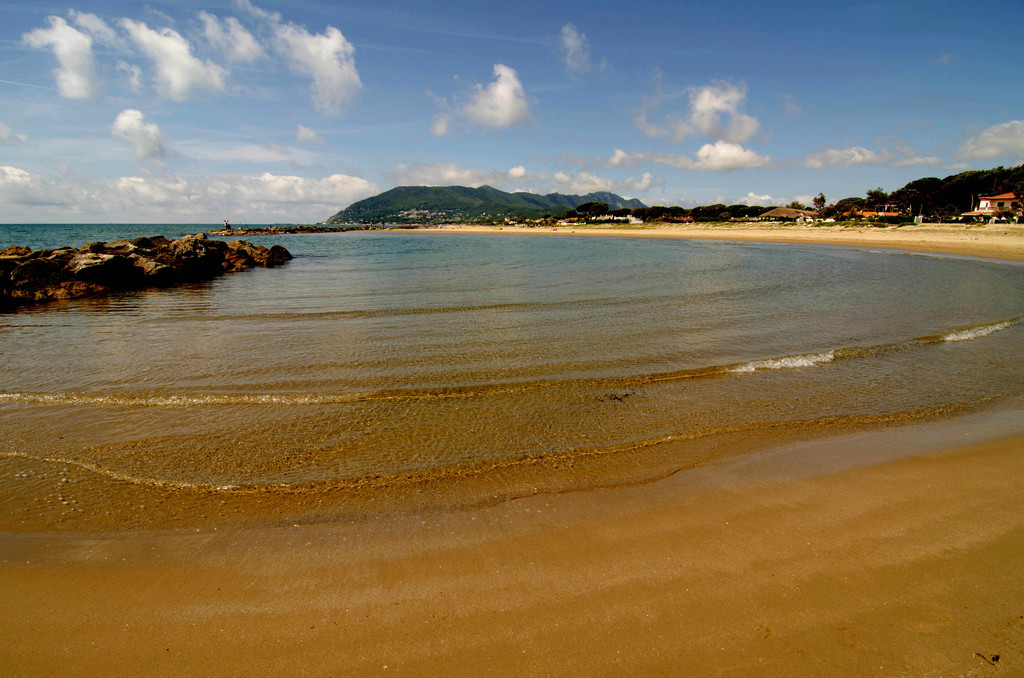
(277, 256)
(33, 272)
(115, 271)
(154, 273)
(100, 268)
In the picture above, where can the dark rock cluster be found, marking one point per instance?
(98, 268)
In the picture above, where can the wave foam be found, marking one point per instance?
(785, 363)
(978, 332)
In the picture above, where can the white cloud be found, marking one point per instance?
(96, 27)
(130, 126)
(328, 57)
(845, 157)
(575, 50)
(622, 159)
(755, 199)
(586, 182)
(502, 103)
(715, 111)
(721, 156)
(249, 8)
(641, 122)
(708, 104)
(236, 43)
(1004, 139)
(254, 153)
(442, 125)
(426, 174)
(12, 176)
(133, 73)
(179, 74)
(518, 172)
(899, 155)
(202, 199)
(9, 136)
(76, 73)
(305, 135)
(916, 161)
(331, 193)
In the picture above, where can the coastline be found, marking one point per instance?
(991, 241)
(786, 562)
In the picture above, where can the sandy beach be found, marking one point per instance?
(994, 241)
(889, 553)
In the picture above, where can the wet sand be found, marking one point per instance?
(895, 553)
(787, 564)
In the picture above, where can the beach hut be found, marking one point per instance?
(788, 214)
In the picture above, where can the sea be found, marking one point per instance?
(416, 371)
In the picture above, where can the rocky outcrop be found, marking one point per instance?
(98, 268)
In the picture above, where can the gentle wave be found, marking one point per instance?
(226, 399)
(459, 472)
(785, 363)
(980, 331)
(800, 361)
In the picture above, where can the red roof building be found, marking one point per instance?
(990, 205)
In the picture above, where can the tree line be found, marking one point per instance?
(931, 197)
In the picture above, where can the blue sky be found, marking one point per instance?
(268, 111)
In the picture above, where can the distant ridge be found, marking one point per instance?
(441, 204)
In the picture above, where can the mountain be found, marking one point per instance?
(441, 204)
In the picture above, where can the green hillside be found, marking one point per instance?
(443, 204)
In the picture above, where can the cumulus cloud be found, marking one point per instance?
(899, 155)
(587, 182)
(327, 57)
(9, 136)
(502, 103)
(622, 159)
(131, 126)
(844, 157)
(715, 111)
(76, 71)
(180, 75)
(305, 135)
(265, 197)
(575, 50)
(710, 106)
(1004, 139)
(755, 199)
(329, 193)
(236, 43)
(721, 156)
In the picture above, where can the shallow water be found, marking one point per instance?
(381, 371)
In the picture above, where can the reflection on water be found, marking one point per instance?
(429, 370)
